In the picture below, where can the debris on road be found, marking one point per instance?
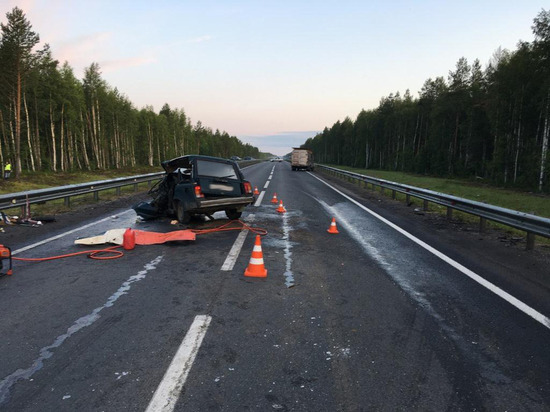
(142, 237)
(16, 220)
(418, 211)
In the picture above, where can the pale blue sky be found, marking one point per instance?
(273, 72)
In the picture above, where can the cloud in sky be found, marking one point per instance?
(83, 49)
(113, 65)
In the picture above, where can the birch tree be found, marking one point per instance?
(541, 30)
(17, 43)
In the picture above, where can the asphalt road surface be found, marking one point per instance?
(389, 314)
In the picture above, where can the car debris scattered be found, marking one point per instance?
(16, 220)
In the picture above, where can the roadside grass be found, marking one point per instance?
(41, 180)
(527, 202)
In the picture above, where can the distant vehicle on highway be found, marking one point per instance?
(198, 185)
(301, 159)
(248, 158)
(276, 159)
(235, 158)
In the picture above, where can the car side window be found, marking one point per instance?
(215, 169)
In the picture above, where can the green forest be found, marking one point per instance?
(51, 120)
(490, 124)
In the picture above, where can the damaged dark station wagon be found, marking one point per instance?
(198, 185)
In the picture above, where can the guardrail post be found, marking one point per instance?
(393, 194)
(526, 222)
(118, 191)
(482, 224)
(67, 201)
(530, 241)
(96, 195)
(135, 187)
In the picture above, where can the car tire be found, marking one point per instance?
(232, 214)
(183, 216)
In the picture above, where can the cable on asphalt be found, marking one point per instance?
(98, 254)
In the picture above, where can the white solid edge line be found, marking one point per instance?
(42, 242)
(237, 246)
(169, 389)
(536, 315)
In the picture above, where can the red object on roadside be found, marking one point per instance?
(129, 239)
(333, 229)
(5, 253)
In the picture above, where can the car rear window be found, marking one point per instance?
(215, 169)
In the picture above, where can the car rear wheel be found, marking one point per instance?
(232, 214)
(183, 216)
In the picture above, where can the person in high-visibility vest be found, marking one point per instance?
(7, 170)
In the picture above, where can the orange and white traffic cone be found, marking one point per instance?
(281, 208)
(256, 192)
(333, 228)
(274, 200)
(256, 268)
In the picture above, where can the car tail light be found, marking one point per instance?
(198, 191)
(247, 188)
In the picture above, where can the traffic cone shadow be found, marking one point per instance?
(256, 268)
(333, 228)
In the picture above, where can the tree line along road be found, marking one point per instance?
(366, 319)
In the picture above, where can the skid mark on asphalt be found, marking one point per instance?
(289, 276)
(413, 276)
(534, 314)
(46, 352)
(400, 266)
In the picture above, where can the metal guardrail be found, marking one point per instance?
(532, 224)
(12, 200)
(20, 199)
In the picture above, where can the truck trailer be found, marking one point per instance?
(301, 159)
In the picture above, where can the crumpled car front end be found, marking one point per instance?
(198, 185)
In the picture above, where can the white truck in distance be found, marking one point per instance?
(301, 159)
